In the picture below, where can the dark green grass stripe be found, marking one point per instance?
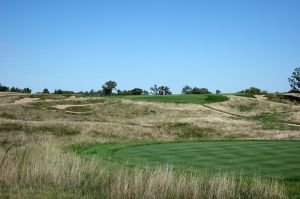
(271, 158)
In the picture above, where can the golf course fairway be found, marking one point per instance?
(267, 158)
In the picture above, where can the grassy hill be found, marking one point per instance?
(90, 147)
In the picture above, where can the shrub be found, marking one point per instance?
(3, 88)
(252, 90)
(200, 91)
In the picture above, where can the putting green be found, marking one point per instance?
(270, 158)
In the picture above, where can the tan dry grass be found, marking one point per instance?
(44, 165)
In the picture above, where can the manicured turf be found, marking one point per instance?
(267, 158)
(185, 99)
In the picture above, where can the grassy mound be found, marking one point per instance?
(184, 99)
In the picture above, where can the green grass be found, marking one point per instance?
(250, 95)
(283, 98)
(274, 121)
(79, 108)
(188, 131)
(266, 158)
(183, 99)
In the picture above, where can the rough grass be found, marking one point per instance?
(79, 108)
(57, 130)
(33, 169)
(287, 99)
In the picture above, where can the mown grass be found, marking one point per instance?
(267, 158)
(249, 95)
(271, 159)
(183, 99)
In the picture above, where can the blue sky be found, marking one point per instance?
(78, 45)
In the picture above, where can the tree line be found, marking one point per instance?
(4, 88)
(110, 88)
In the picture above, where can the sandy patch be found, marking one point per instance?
(64, 106)
(260, 97)
(25, 100)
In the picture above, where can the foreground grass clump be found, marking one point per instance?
(184, 99)
(46, 167)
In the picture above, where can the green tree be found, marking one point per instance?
(15, 89)
(154, 90)
(3, 88)
(46, 91)
(200, 91)
(137, 91)
(58, 91)
(294, 81)
(252, 90)
(164, 90)
(108, 87)
(26, 90)
(187, 90)
(218, 91)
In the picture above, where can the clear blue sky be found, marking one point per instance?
(78, 45)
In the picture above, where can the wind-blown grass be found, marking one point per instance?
(45, 166)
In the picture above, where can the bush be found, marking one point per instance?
(46, 91)
(200, 91)
(59, 91)
(252, 90)
(18, 90)
(3, 88)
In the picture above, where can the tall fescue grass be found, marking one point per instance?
(46, 165)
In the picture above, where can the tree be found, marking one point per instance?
(108, 87)
(137, 91)
(200, 91)
(154, 90)
(164, 90)
(187, 90)
(145, 92)
(15, 89)
(161, 90)
(46, 91)
(252, 90)
(59, 91)
(294, 81)
(92, 92)
(218, 91)
(26, 90)
(3, 88)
